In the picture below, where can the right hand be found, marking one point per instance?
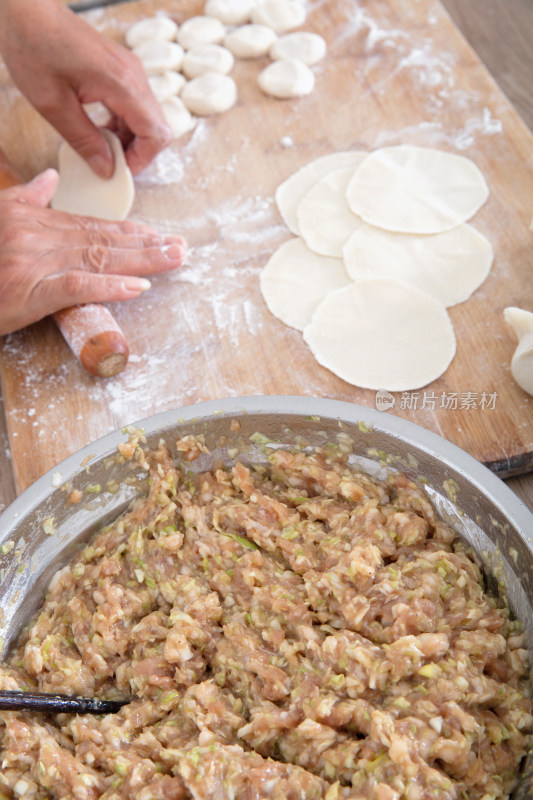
(60, 63)
(51, 260)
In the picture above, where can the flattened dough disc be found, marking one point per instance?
(416, 189)
(448, 266)
(295, 280)
(81, 191)
(382, 334)
(291, 191)
(324, 217)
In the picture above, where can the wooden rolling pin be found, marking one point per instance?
(90, 330)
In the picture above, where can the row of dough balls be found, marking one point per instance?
(188, 66)
(382, 248)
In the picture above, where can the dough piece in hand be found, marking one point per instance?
(230, 12)
(168, 84)
(307, 47)
(159, 56)
(250, 41)
(201, 30)
(295, 280)
(280, 15)
(325, 219)
(159, 28)
(178, 116)
(207, 58)
(382, 334)
(211, 93)
(80, 191)
(286, 78)
(522, 362)
(291, 191)
(416, 189)
(448, 266)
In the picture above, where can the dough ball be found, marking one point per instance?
(416, 189)
(230, 12)
(168, 84)
(325, 219)
(382, 334)
(178, 116)
(211, 93)
(201, 30)
(295, 280)
(81, 191)
(152, 28)
(449, 265)
(280, 15)
(286, 78)
(307, 47)
(207, 58)
(250, 41)
(290, 192)
(158, 56)
(522, 362)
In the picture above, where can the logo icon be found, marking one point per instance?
(384, 400)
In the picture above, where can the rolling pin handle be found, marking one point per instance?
(95, 338)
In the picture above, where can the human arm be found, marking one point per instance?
(60, 63)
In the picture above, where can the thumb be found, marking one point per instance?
(84, 136)
(40, 190)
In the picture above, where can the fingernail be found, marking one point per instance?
(174, 240)
(174, 252)
(136, 284)
(101, 165)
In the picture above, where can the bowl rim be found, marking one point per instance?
(433, 444)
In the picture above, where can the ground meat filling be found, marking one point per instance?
(294, 630)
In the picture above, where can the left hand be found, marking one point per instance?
(51, 260)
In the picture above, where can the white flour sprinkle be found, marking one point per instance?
(434, 135)
(431, 70)
(485, 124)
(357, 20)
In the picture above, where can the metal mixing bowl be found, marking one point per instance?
(40, 531)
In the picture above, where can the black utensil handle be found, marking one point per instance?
(58, 703)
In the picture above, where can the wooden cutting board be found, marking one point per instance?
(396, 72)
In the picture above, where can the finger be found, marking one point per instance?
(76, 287)
(39, 191)
(107, 239)
(53, 218)
(139, 122)
(105, 260)
(142, 150)
(70, 119)
(82, 230)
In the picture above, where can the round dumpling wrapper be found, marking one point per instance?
(292, 190)
(449, 265)
(416, 189)
(382, 334)
(325, 219)
(295, 280)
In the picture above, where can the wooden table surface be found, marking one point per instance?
(500, 31)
